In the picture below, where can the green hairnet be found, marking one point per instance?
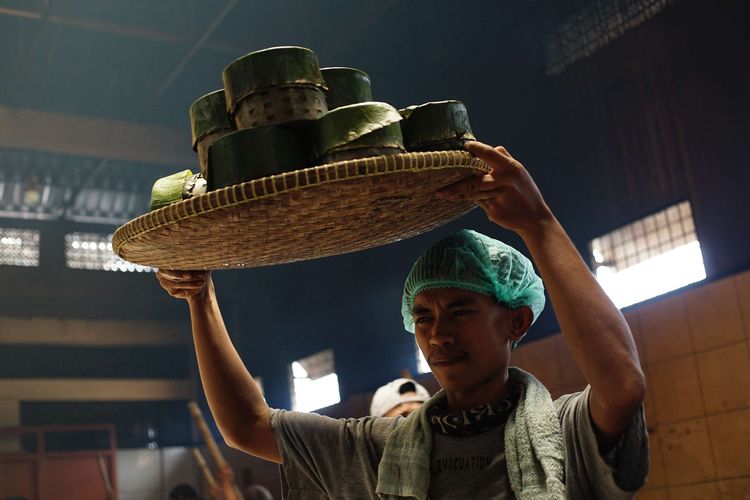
(472, 261)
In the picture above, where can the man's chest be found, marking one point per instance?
(469, 467)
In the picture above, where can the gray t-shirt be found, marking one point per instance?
(256, 492)
(462, 466)
(338, 458)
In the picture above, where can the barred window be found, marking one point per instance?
(314, 382)
(649, 257)
(19, 247)
(594, 26)
(93, 251)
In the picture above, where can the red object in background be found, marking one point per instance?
(30, 470)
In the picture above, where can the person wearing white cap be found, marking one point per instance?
(493, 431)
(398, 397)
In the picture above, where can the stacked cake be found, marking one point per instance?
(279, 112)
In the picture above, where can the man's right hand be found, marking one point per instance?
(186, 285)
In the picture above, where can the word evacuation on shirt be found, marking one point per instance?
(461, 464)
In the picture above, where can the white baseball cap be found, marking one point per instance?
(392, 394)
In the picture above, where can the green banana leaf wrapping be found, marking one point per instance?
(274, 67)
(346, 86)
(436, 123)
(407, 111)
(387, 137)
(253, 153)
(169, 189)
(344, 125)
(208, 114)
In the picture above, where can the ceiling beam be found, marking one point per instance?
(94, 137)
(56, 389)
(20, 68)
(199, 42)
(90, 333)
(116, 29)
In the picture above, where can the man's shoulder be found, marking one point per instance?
(571, 401)
(378, 427)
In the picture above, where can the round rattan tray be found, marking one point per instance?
(301, 215)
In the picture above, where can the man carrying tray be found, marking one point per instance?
(493, 431)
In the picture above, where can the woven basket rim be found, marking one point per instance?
(237, 195)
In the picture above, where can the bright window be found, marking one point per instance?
(19, 247)
(422, 366)
(94, 251)
(314, 382)
(649, 257)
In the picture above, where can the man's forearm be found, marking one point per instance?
(594, 329)
(235, 399)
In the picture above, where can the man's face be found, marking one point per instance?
(464, 336)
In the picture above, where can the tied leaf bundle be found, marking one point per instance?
(168, 190)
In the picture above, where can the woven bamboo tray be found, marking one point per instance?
(306, 214)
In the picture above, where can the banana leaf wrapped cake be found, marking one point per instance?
(209, 122)
(357, 131)
(257, 152)
(436, 126)
(274, 86)
(346, 86)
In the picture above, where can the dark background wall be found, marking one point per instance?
(658, 115)
(655, 117)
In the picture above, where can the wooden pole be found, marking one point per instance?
(200, 421)
(213, 448)
(204, 468)
(104, 471)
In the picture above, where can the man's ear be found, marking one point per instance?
(521, 319)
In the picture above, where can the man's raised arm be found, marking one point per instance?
(233, 396)
(594, 329)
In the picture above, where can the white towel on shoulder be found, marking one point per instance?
(534, 452)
